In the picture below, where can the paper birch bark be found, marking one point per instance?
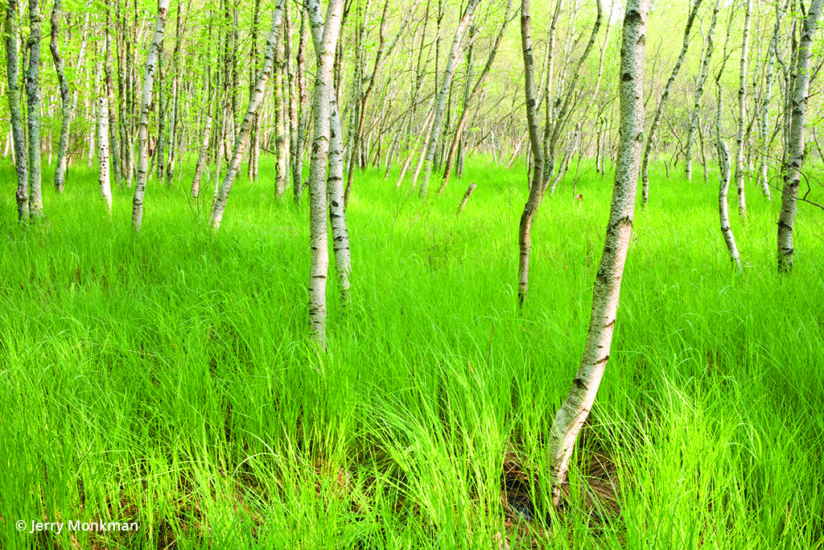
(445, 84)
(242, 139)
(143, 125)
(298, 108)
(742, 115)
(795, 154)
(334, 180)
(33, 102)
(700, 82)
(103, 153)
(324, 88)
(281, 142)
(607, 287)
(656, 119)
(536, 188)
(62, 148)
(17, 129)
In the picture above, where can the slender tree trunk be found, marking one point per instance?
(300, 109)
(62, 150)
(201, 159)
(242, 138)
(325, 47)
(114, 164)
(33, 100)
(281, 157)
(17, 129)
(456, 140)
(337, 210)
(742, 115)
(656, 119)
(103, 153)
(795, 155)
(143, 127)
(765, 106)
(699, 91)
(536, 189)
(446, 82)
(607, 288)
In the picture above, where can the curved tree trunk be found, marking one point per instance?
(536, 189)
(699, 91)
(607, 288)
(62, 148)
(764, 166)
(446, 82)
(242, 138)
(795, 155)
(656, 119)
(143, 126)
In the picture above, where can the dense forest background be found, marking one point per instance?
(182, 380)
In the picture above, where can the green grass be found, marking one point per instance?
(167, 379)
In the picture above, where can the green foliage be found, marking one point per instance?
(167, 378)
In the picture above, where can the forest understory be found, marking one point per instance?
(166, 380)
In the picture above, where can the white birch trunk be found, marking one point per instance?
(699, 91)
(765, 107)
(143, 125)
(242, 138)
(446, 81)
(324, 88)
(607, 288)
(103, 153)
(33, 97)
(201, 159)
(795, 155)
(17, 129)
(742, 110)
(723, 208)
(537, 187)
(62, 149)
(661, 102)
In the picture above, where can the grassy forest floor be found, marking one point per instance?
(166, 379)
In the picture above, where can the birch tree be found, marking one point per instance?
(62, 148)
(242, 138)
(324, 88)
(700, 81)
(742, 114)
(33, 101)
(143, 125)
(103, 153)
(536, 188)
(446, 81)
(17, 129)
(764, 115)
(607, 288)
(795, 154)
(656, 119)
(453, 149)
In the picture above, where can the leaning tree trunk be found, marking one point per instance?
(661, 102)
(242, 138)
(536, 189)
(446, 81)
(699, 91)
(62, 148)
(723, 151)
(324, 88)
(453, 149)
(607, 288)
(33, 100)
(17, 130)
(143, 126)
(742, 114)
(795, 155)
